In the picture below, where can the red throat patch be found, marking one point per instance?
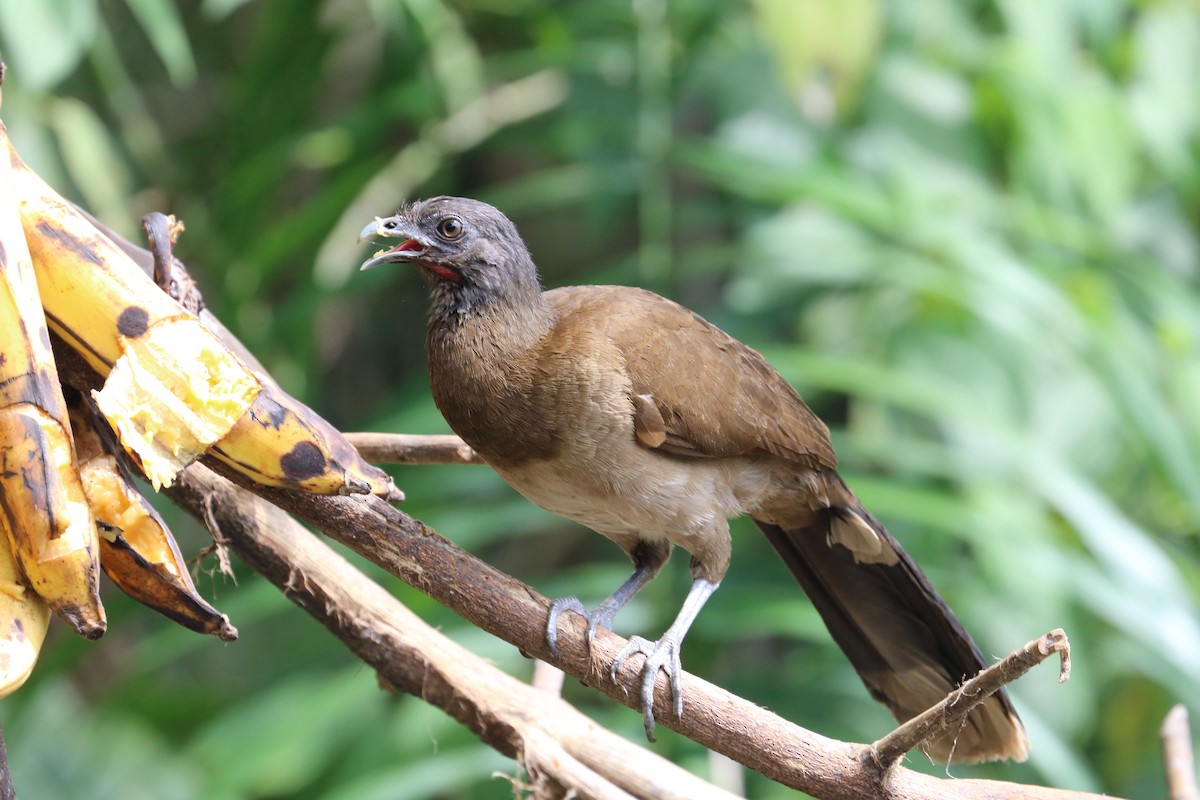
(445, 273)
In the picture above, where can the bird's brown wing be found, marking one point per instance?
(696, 390)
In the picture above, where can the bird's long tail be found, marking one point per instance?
(904, 641)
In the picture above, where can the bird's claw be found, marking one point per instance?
(602, 617)
(556, 608)
(663, 654)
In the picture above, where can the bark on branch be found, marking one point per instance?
(509, 609)
(410, 448)
(556, 743)
(1177, 756)
(7, 791)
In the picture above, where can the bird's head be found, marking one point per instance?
(471, 253)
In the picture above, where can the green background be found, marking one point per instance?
(966, 231)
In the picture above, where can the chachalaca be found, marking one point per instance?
(623, 411)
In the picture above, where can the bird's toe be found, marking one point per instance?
(558, 607)
(664, 655)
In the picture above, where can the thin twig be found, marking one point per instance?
(1177, 756)
(407, 448)
(954, 708)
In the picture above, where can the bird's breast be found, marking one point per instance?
(517, 398)
(556, 421)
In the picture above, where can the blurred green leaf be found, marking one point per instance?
(968, 234)
(111, 754)
(90, 154)
(45, 40)
(163, 26)
(284, 738)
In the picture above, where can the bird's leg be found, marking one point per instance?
(648, 558)
(603, 614)
(664, 654)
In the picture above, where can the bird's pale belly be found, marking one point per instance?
(631, 489)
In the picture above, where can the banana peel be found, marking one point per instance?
(106, 308)
(24, 617)
(45, 517)
(137, 550)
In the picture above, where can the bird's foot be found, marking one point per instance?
(663, 654)
(601, 617)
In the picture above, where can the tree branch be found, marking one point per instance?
(555, 742)
(409, 448)
(954, 708)
(1177, 756)
(949, 713)
(7, 790)
(509, 609)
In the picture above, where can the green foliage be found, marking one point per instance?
(966, 231)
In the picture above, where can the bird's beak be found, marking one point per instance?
(391, 227)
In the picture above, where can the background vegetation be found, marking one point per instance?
(967, 231)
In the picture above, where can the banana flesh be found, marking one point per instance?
(137, 551)
(46, 520)
(174, 392)
(101, 303)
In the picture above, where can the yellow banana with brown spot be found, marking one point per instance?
(24, 617)
(138, 552)
(43, 510)
(179, 390)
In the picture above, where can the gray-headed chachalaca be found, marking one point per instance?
(626, 412)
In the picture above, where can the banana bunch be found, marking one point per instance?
(173, 391)
(48, 526)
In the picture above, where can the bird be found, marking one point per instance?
(624, 411)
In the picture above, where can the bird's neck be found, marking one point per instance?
(483, 366)
(501, 328)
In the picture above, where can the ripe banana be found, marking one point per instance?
(23, 620)
(138, 552)
(108, 310)
(45, 516)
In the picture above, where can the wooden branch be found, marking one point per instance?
(7, 790)
(577, 757)
(549, 737)
(498, 603)
(1177, 756)
(409, 448)
(951, 712)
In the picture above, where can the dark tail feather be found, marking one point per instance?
(901, 637)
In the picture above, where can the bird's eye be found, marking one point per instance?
(450, 228)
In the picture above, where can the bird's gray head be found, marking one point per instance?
(471, 253)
